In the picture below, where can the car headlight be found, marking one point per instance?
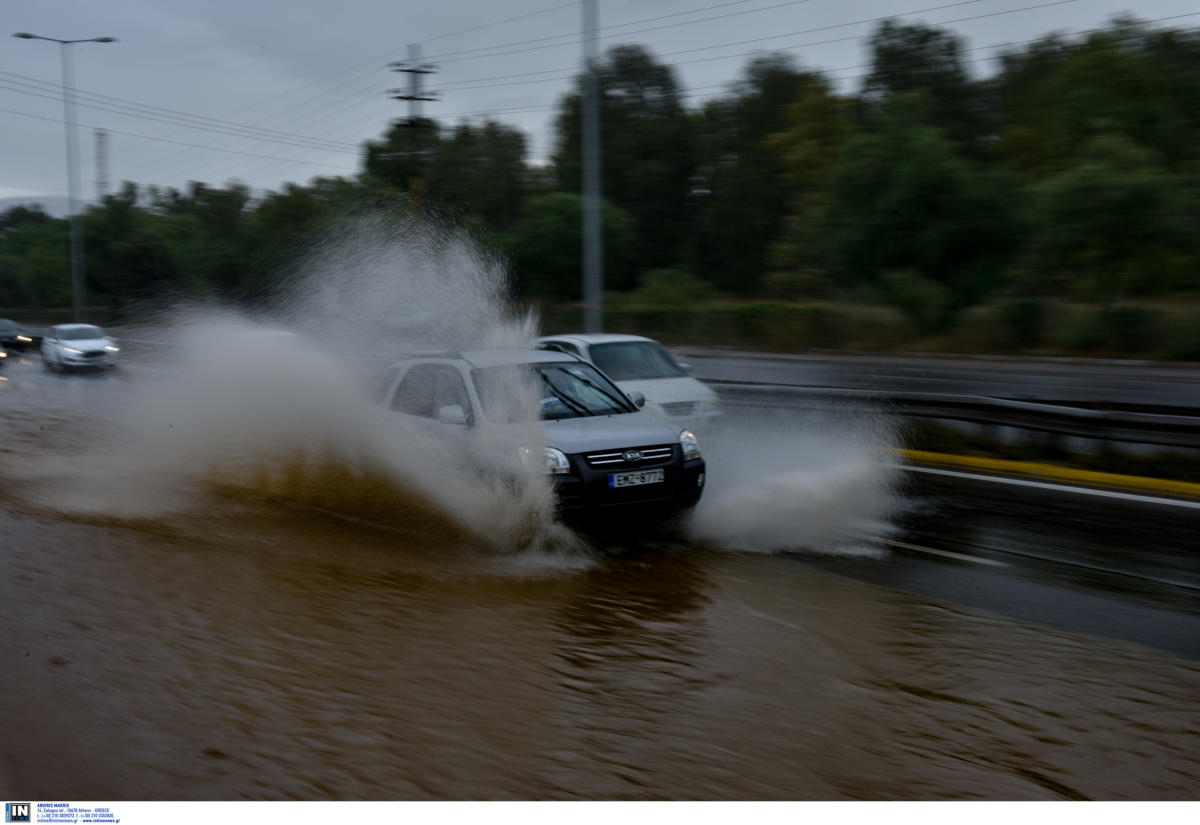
(554, 461)
(690, 445)
(111, 348)
(73, 351)
(24, 339)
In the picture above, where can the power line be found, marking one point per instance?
(5, 85)
(167, 140)
(453, 57)
(509, 20)
(817, 42)
(789, 48)
(526, 109)
(148, 112)
(375, 60)
(302, 141)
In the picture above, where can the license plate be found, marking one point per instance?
(635, 479)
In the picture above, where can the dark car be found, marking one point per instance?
(11, 336)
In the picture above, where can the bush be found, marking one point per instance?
(1125, 330)
(1085, 334)
(926, 303)
(1024, 320)
(1183, 339)
(1130, 329)
(671, 286)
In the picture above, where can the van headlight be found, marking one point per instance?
(554, 461)
(690, 445)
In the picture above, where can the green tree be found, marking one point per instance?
(1111, 225)
(463, 172)
(742, 187)
(127, 257)
(919, 58)
(43, 266)
(903, 200)
(817, 126)
(546, 246)
(646, 145)
(1056, 96)
(15, 241)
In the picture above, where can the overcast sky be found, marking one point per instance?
(310, 77)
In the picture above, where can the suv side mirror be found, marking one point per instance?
(638, 399)
(453, 414)
(685, 367)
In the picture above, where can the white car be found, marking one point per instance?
(78, 345)
(638, 364)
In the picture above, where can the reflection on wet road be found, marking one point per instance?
(251, 648)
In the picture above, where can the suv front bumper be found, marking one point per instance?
(587, 490)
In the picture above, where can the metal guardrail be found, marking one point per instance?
(1173, 430)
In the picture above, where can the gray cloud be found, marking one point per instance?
(315, 69)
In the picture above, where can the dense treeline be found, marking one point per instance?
(1072, 173)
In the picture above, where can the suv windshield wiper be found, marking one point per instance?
(618, 403)
(571, 403)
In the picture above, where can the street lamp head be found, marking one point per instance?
(105, 39)
(25, 35)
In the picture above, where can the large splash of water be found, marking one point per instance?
(280, 408)
(779, 481)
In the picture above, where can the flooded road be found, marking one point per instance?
(264, 647)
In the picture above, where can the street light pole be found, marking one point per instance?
(593, 227)
(78, 284)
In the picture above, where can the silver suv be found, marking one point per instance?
(602, 452)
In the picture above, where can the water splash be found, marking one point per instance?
(780, 481)
(282, 412)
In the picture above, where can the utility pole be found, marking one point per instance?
(78, 284)
(593, 230)
(416, 69)
(101, 164)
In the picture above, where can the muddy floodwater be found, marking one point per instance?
(260, 648)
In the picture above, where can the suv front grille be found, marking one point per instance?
(616, 460)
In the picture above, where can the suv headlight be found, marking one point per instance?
(554, 461)
(690, 445)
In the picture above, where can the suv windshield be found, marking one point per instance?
(634, 360)
(81, 333)
(8, 328)
(563, 390)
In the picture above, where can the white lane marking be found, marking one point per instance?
(1045, 485)
(944, 553)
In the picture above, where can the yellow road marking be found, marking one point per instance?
(1069, 475)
